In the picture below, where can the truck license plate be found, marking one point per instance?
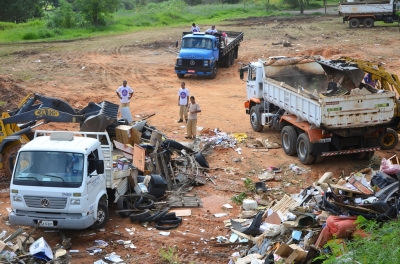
(46, 223)
(191, 71)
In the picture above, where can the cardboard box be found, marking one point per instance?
(292, 253)
(124, 134)
(40, 249)
(136, 136)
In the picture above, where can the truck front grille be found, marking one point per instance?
(45, 202)
(192, 63)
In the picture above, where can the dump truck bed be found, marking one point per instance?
(234, 39)
(375, 7)
(342, 111)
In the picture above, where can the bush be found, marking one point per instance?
(43, 33)
(30, 36)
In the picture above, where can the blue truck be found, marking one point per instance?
(201, 53)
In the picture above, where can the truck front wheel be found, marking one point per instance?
(368, 23)
(389, 140)
(255, 118)
(180, 76)
(304, 149)
(289, 137)
(102, 216)
(354, 23)
(214, 72)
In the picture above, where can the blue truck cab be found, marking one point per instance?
(202, 53)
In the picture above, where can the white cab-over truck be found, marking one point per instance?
(292, 97)
(361, 12)
(60, 179)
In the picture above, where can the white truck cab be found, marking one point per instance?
(59, 180)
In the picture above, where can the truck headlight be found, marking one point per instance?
(179, 62)
(17, 198)
(75, 201)
(205, 63)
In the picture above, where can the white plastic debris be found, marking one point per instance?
(220, 215)
(113, 258)
(163, 233)
(227, 206)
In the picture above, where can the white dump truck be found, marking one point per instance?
(60, 180)
(318, 109)
(360, 12)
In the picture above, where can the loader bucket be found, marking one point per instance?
(339, 68)
(99, 116)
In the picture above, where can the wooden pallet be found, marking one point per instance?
(184, 200)
(285, 204)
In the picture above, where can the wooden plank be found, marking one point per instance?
(139, 154)
(182, 212)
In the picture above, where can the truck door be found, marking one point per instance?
(95, 182)
(215, 50)
(252, 85)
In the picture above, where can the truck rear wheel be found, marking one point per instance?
(389, 140)
(232, 57)
(180, 76)
(102, 216)
(289, 138)
(368, 23)
(318, 159)
(354, 23)
(255, 118)
(304, 149)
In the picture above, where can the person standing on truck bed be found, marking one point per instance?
(183, 101)
(193, 109)
(125, 94)
(195, 28)
(212, 30)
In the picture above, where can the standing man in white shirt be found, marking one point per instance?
(191, 126)
(125, 94)
(183, 101)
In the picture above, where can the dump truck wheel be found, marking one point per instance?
(102, 216)
(12, 152)
(180, 76)
(289, 139)
(358, 156)
(354, 23)
(318, 159)
(369, 155)
(123, 204)
(389, 140)
(232, 57)
(255, 118)
(368, 23)
(304, 149)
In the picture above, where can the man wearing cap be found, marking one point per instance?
(212, 30)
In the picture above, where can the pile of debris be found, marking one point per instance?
(296, 228)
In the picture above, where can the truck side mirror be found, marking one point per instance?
(100, 166)
(241, 72)
(176, 44)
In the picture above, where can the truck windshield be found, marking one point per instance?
(49, 168)
(197, 43)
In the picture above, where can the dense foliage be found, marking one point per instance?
(20, 10)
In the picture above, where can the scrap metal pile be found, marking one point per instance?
(296, 228)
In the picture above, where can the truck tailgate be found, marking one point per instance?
(346, 111)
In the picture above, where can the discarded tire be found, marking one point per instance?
(163, 227)
(177, 220)
(154, 217)
(144, 204)
(176, 145)
(139, 216)
(201, 160)
(123, 204)
(169, 216)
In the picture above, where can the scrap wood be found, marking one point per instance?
(250, 238)
(215, 244)
(284, 204)
(356, 207)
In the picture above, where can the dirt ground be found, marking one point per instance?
(92, 69)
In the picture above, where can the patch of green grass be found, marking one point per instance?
(168, 13)
(2, 103)
(169, 255)
(238, 199)
(381, 245)
(249, 184)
